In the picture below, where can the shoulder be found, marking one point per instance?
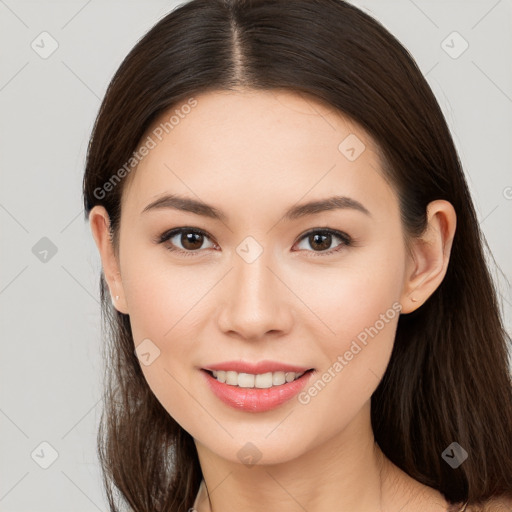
(497, 504)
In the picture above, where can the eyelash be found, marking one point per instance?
(346, 239)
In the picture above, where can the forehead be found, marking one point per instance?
(254, 145)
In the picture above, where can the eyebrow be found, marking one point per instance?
(188, 204)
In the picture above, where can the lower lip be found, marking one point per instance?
(256, 399)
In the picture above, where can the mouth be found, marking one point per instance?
(259, 380)
(256, 393)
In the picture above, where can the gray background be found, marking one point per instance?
(50, 366)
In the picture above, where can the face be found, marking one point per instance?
(319, 289)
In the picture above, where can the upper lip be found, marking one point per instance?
(256, 368)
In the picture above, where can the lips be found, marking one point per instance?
(256, 368)
(256, 399)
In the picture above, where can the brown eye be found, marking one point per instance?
(184, 240)
(321, 240)
(191, 241)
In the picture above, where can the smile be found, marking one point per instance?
(255, 392)
(260, 380)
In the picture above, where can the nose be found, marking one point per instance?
(256, 302)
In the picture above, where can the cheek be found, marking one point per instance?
(351, 296)
(159, 293)
(359, 312)
(165, 301)
(161, 299)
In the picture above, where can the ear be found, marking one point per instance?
(99, 221)
(429, 256)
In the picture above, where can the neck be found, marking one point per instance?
(344, 474)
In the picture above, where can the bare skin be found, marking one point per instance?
(253, 155)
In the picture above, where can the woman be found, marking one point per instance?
(302, 314)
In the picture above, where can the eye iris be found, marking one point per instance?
(313, 239)
(188, 239)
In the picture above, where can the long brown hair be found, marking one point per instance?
(448, 378)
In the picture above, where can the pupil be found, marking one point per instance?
(190, 239)
(322, 245)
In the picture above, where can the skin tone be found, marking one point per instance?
(253, 155)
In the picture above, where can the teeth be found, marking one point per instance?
(261, 380)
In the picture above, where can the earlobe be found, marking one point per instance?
(99, 222)
(430, 255)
